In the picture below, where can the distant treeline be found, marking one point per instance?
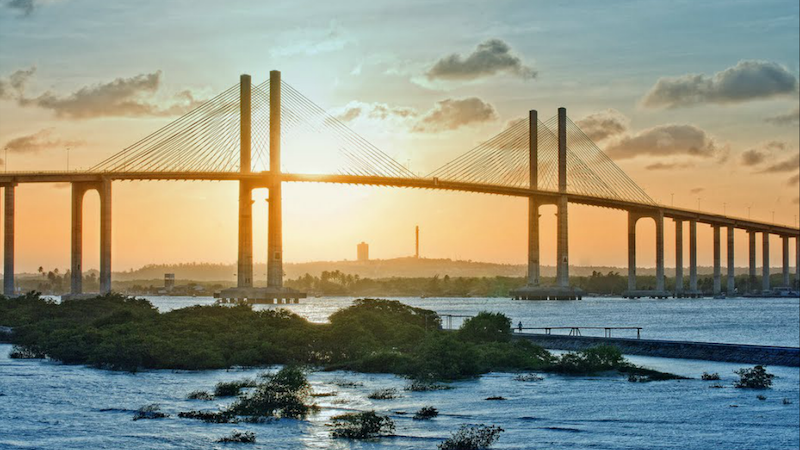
(611, 283)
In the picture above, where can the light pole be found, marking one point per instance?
(68, 159)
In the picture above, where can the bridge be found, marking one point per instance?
(237, 136)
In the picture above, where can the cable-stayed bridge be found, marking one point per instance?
(239, 134)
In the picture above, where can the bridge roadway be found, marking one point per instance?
(264, 179)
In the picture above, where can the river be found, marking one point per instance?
(46, 405)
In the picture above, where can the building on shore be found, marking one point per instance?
(363, 252)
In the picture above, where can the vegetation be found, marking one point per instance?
(18, 352)
(755, 378)
(242, 437)
(472, 437)
(425, 413)
(152, 411)
(232, 388)
(528, 377)
(200, 395)
(372, 335)
(384, 394)
(710, 376)
(363, 425)
(285, 394)
(425, 386)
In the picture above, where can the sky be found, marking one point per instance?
(696, 101)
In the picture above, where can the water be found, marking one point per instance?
(45, 405)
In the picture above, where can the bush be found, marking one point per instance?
(486, 327)
(152, 411)
(25, 352)
(232, 388)
(528, 377)
(425, 413)
(384, 394)
(425, 386)
(208, 416)
(284, 394)
(595, 359)
(200, 395)
(363, 425)
(755, 378)
(243, 437)
(710, 376)
(472, 437)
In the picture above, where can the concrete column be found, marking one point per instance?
(765, 262)
(751, 259)
(797, 262)
(244, 269)
(660, 251)
(275, 237)
(731, 264)
(105, 236)
(786, 279)
(693, 256)
(533, 205)
(562, 244)
(76, 259)
(8, 242)
(632, 251)
(678, 256)
(717, 257)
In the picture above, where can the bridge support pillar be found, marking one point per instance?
(731, 264)
(785, 245)
(533, 242)
(797, 261)
(765, 262)
(693, 257)
(717, 257)
(275, 237)
(751, 261)
(8, 241)
(562, 243)
(632, 219)
(244, 269)
(76, 238)
(678, 258)
(105, 236)
(660, 251)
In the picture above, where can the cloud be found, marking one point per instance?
(26, 7)
(14, 86)
(604, 124)
(794, 180)
(489, 58)
(122, 97)
(747, 80)
(696, 190)
(665, 140)
(312, 41)
(788, 118)
(789, 164)
(39, 141)
(667, 166)
(451, 114)
(380, 111)
(753, 157)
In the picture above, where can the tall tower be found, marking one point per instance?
(416, 250)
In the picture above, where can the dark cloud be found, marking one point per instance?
(788, 118)
(665, 140)
(747, 80)
(451, 114)
(39, 141)
(667, 166)
(753, 157)
(14, 86)
(123, 97)
(696, 190)
(490, 57)
(26, 7)
(789, 164)
(604, 124)
(380, 111)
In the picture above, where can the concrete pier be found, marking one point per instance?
(8, 241)
(632, 219)
(76, 245)
(244, 269)
(751, 258)
(533, 206)
(765, 262)
(660, 251)
(717, 268)
(275, 237)
(731, 288)
(678, 258)
(105, 236)
(797, 262)
(693, 256)
(785, 244)
(633, 291)
(562, 243)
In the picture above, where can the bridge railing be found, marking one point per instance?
(576, 331)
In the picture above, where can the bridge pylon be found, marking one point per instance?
(562, 289)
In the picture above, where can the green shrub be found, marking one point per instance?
(486, 327)
(384, 394)
(26, 352)
(152, 411)
(285, 394)
(425, 413)
(208, 416)
(363, 425)
(710, 376)
(755, 378)
(232, 388)
(595, 359)
(241, 437)
(472, 437)
(200, 395)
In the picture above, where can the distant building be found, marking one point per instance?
(363, 251)
(169, 281)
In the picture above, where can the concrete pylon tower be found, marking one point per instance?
(275, 237)
(562, 231)
(245, 258)
(416, 247)
(534, 270)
